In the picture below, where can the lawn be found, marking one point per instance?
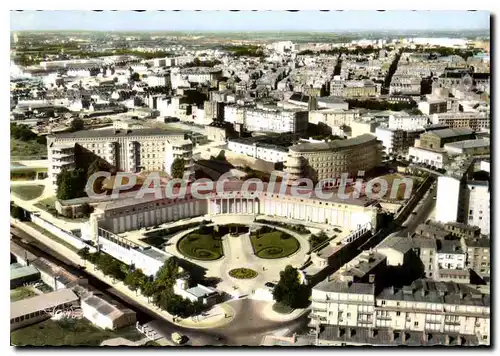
(27, 192)
(47, 204)
(21, 293)
(205, 247)
(273, 244)
(243, 273)
(27, 148)
(52, 236)
(70, 332)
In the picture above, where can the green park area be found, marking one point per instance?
(27, 192)
(205, 243)
(243, 273)
(68, 332)
(270, 243)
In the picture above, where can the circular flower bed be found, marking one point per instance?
(243, 273)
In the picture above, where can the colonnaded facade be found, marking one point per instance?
(132, 214)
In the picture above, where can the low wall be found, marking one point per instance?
(65, 235)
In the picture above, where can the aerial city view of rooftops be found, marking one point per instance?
(276, 179)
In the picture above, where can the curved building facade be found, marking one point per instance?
(326, 160)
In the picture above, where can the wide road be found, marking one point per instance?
(246, 328)
(422, 210)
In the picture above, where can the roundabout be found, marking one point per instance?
(242, 273)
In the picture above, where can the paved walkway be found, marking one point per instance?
(269, 314)
(120, 341)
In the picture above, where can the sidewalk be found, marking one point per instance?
(268, 313)
(118, 285)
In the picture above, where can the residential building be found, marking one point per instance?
(127, 150)
(474, 120)
(425, 307)
(406, 85)
(267, 120)
(433, 106)
(450, 254)
(478, 255)
(259, 150)
(327, 160)
(179, 149)
(426, 250)
(464, 197)
(354, 88)
(408, 123)
(392, 139)
(333, 118)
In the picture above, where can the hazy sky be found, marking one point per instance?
(249, 21)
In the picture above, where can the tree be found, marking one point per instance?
(167, 274)
(77, 125)
(318, 239)
(84, 254)
(134, 279)
(178, 168)
(288, 289)
(17, 212)
(86, 209)
(135, 77)
(71, 184)
(148, 289)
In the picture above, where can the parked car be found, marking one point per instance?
(178, 338)
(270, 285)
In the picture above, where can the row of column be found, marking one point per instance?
(236, 205)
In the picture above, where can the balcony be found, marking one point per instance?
(59, 155)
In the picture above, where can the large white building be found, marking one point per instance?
(127, 150)
(435, 157)
(462, 199)
(267, 120)
(408, 123)
(448, 199)
(333, 118)
(478, 203)
(265, 152)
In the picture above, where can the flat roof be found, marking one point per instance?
(334, 145)
(459, 131)
(345, 287)
(118, 133)
(22, 271)
(42, 302)
(481, 142)
(398, 243)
